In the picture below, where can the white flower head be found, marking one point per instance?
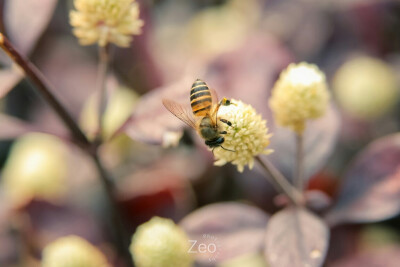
(247, 137)
(301, 93)
(106, 21)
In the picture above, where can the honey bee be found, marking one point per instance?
(204, 106)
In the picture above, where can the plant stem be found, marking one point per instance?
(101, 86)
(45, 90)
(298, 179)
(280, 182)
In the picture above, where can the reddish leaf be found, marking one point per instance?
(151, 119)
(78, 82)
(161, 188)
(51, 221)
(325, 182)
(371, 188)
(13, 127)
(248, 73)
(386, 256)
(25, 21)
(317, 200)
(233, 229)
(295, 237)
(320, 139)
(9, 78)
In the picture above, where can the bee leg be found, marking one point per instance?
(226, 122)
(223, 132)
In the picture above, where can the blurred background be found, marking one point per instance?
(50, 189)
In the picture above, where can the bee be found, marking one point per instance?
(203, 115)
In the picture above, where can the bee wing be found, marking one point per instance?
(180, 112)
(214, 96)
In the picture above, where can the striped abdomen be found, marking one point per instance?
(200, 98)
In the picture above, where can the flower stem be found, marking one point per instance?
(45, 90)
(280, 182)
(101, 86)
(298, 180)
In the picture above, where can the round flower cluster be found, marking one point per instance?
(159, 242)
(36, 168)
(246, 138)
(72, 251)
(105, 21)
(301, 93)
(366, 87)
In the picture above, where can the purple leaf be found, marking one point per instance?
(320, 139)
(371, 188)
(151, 119)
(248, 73)
(25, 21)
(52, 221)
(388, 256)
(9, 78)
(296, 237)
(161, 188)
(13, 127)
(317, 200)
(233, 229)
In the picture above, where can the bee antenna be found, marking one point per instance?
(226, 149)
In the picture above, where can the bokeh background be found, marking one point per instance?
(50, 188)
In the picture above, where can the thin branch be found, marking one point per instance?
(298, 179)
(122, 238)
(101, 86)
(280, 182)
(44, 89)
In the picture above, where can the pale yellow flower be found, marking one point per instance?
(159, 242)
(301, 93)
(36, 167)
(247, 137)
(72, 251)
(366, 87)
(106, 21)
